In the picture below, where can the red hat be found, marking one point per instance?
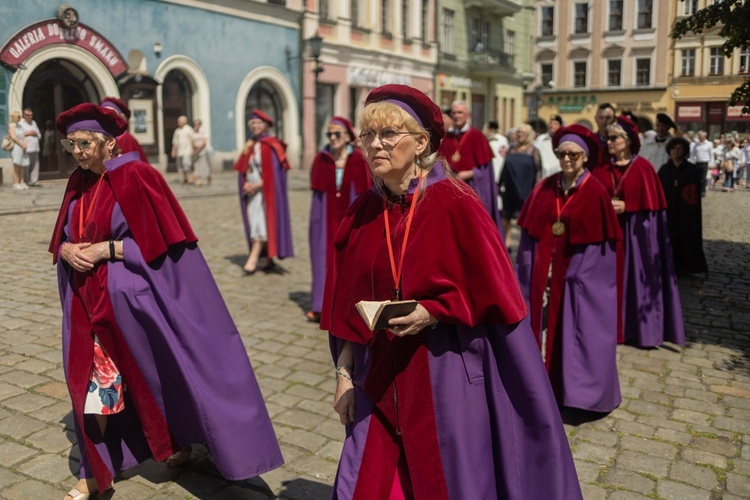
(340, 120)
(417, 105)
(117, 105)
(632, 130)
(260, 115)
(582, 136)
(92, 118)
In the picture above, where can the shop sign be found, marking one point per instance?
(689, 113)
(734, 113)
(51, 32)
(454, 81)
(570, 108)
(375, 77)
(571, 103)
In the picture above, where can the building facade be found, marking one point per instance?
(704, 79)
(365, 44)
(212, 60)
(591, 52)
(480, 43)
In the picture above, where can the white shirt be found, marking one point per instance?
(550, 163)
(702, 152)
(656, 152)
(183, 138)
(499, 146)
(32, 142)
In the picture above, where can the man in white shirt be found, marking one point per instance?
(702, 155)
(656, 151)
(543, 142)
(31, 136)
(182, 149)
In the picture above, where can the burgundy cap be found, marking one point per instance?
(92, 118)
(117, 105)
(260, 115)
(340, 120)
(632, 130)
(583, 137)
(417, 105)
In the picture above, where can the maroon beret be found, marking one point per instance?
(117, 105)
(583, 137)
(340, 120)
(417, 105)
(632, 130)
(260, 115)
(92, 118)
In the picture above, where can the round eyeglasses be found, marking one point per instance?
(70, 144)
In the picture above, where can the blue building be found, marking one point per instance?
(208, 60)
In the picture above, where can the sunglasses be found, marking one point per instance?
(70, 144)
(613, 138)
(333, 134)
(573, 155)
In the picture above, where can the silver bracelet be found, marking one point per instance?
(340, 371)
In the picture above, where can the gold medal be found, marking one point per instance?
(456, 157)
(558, 228)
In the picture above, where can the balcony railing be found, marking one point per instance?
(490, 58)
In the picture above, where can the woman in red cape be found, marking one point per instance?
(338, 176)
(567, 269)
(650, 302)
(452, 400)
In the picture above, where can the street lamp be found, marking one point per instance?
(316, 45)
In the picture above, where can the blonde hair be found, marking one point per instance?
(525, 127)
(15, 117)
(616, 129)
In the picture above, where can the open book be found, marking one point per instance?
(376, 313)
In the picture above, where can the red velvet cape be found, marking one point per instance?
(156, 221)
(153, 213)
(456, 267)
(127, 143)
(269, 146)
(475, 150)
(641, 188)
(356, 179)
(588, 218)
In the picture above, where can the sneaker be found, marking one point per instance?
(17, 187)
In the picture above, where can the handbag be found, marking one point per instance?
(727, 166)
(8, 143)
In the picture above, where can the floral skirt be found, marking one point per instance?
(105, 393)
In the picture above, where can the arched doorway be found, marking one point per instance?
(53, 87)
(177, 98)
(263, 96)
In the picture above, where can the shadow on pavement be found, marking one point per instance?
(302, 299)
(304, 489)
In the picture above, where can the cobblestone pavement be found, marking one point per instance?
(682, 431)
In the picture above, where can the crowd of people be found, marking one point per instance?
(450, 399)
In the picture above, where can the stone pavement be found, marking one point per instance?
(682, 432)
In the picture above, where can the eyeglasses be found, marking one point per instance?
(70, 144)
(387, 136)
(333, 134)
(613, 138)
(573, 155)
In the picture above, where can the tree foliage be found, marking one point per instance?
(733, 18)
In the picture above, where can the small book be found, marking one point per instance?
(376, 313)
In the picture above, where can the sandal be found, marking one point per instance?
(181, 457)
(76, 494)
(312, 316)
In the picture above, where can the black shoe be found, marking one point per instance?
(35, 185)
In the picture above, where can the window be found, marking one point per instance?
(405, 18)
(385, 17)
(510, 43)
(479, 35)
(579, 74)
(643, 72)
(324, 9)
(689, 7)
(615, 15)
(716, 62)
(546, 74)
(582, 18)
(745, 60)
(448, 31)
(354, 13)
(425, 20)
(548, 21)
(688, 62)
(645, 8)
(614, 72)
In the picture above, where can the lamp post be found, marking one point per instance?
(315, 43)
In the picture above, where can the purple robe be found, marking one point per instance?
(651, 304)
(186, 346)
(485, 186)
(588, 369)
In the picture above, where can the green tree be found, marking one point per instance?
(733, 16)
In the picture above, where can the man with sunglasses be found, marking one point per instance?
(31, 134)
(469, 156)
